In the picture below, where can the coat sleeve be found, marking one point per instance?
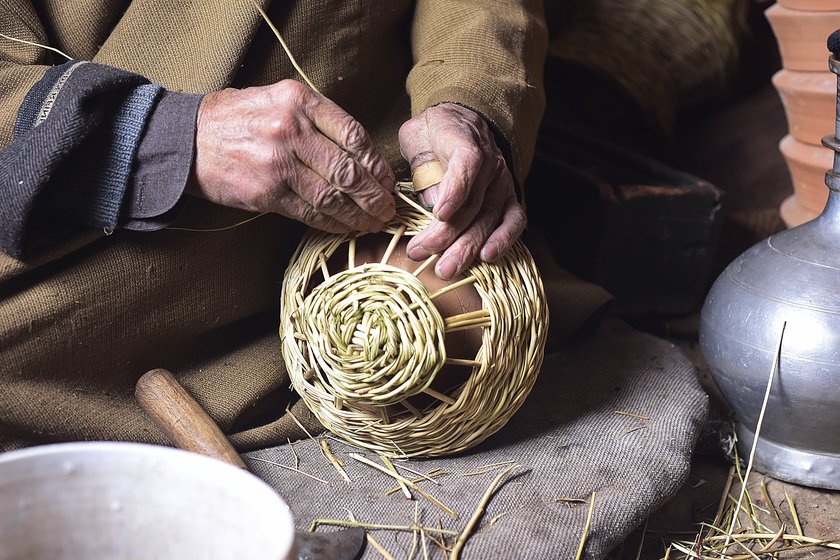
(486, 55)
(21, 65)
(79, 147)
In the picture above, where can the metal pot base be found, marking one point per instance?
(789, 464)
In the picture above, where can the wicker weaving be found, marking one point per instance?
(369, 346)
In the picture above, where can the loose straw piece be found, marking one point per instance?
(301, 426)
(724, 496)
(373, 542)
(784, 536)
(276, 464)
(47, 47)
(223, 228)
(429, 477)
(403, 487)
(376, 526)
(585, 534)
(794, 515)
(420, 479)
(339, 466)
(776, 358)
(770, 504)
(642, 541)
(285, 47)
(631, 415)
(294, 453)
(568, 501)
(406, 481)
(479, 511)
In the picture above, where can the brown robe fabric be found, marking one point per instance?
(81, 322)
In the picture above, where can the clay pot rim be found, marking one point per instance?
(794, 214)
(817, 83)
(778, 8)
(815, 156)
(810, 5)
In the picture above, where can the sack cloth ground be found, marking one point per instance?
(568, 438)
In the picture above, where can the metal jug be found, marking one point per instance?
(792, 279)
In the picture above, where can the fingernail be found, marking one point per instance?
(429, 198)
(447, 267)
(445, 211)
(490, 251)
(418, 253)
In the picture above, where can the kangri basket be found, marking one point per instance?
(399, 362)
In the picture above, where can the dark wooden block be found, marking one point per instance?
(641, 229)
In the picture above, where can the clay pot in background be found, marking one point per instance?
(816, 5)
(793, 214)
(807, 165)
(801, 35)
(809, 100)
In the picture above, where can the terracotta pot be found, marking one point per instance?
(809, 100)
(802, 35)
(807, 165)
(793, 214)
(816, 5)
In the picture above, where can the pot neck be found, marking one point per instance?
(832, 177)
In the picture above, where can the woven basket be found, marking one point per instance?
(372, 356)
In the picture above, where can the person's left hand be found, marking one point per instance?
(475, 207)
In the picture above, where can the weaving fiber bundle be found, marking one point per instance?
(398, 362)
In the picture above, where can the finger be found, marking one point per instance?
(293, 206)
(502, 239)
(441, 234)
(346, 176)
(349, 135)
(326, 199)
(469, 169)
(463, 251)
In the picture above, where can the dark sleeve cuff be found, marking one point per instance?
(162, 165)
(73, 152)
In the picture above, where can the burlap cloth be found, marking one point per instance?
(568, 438)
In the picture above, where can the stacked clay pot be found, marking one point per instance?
(807, 90)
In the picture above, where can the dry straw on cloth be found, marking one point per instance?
(366, 345)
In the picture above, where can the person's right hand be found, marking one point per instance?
(285, 149)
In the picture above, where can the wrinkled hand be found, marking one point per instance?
(475, 206)
(285, 149)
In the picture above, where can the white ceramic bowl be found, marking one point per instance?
(79, 501)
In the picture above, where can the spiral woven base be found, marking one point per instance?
(365, 346)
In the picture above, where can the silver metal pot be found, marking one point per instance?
(792, 278)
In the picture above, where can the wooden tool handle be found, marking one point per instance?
(181, 418)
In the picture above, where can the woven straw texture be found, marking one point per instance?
(364, 346)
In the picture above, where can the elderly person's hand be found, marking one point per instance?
(285, 149)
(476, 210)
